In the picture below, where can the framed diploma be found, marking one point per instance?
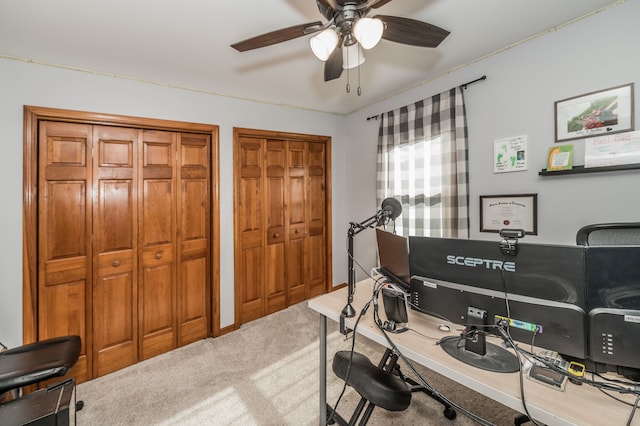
(509, 211)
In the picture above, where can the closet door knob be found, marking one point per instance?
(159, 255)
(115, 263)
(276, 235)
(297, 231)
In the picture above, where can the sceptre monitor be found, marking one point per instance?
(539, 293)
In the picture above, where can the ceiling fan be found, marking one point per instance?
(348, 30)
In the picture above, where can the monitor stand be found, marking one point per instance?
(472, 347)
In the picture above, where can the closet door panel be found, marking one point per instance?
(194, 323)
(275, 197)
(193, 274)
(63, 312)
(317, 219)
(157, 212)
(113, 303)
(114, 231)
(64, 236)
(250, 267)
(157, 317)
(194, 245)
(297, 251)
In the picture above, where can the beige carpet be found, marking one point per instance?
(265, 373)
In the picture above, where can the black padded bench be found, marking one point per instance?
(34, 362)
(376, 386)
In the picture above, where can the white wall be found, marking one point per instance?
(517, 98)
(30, 84)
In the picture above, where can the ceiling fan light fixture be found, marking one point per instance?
(323, 44)
(352, 56)
(368, 32)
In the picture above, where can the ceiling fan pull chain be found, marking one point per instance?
(359, 88)
(348, 83)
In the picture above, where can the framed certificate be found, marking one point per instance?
(509, 211)
(597, 113)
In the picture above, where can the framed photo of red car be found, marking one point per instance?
(603, 112)
(518, 211)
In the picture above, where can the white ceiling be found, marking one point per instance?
(186, 43)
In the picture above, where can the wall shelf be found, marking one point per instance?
(581, 169)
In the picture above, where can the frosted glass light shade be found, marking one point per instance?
(352, 56)
(368, 32)
(323, 44)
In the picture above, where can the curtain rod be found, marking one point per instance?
(464, 86)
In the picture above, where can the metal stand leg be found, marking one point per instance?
(389, 362)
(323, 370)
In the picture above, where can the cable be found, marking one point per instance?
(506, 334)
(623, 382)
(344, 387)
(353, 344)
(433, 314)
(633, 411)
(422, 334)
(376, 280)
(613, 386)
(432, 390)
(507, 337)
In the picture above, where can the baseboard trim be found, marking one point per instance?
(226, 330)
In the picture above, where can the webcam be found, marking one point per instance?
(509, 244)
(512, 233)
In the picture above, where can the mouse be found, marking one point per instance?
(444, 327)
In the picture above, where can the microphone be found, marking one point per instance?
(391, 209)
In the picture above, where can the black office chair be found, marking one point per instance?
(381, 386)
(619, 234)
(35, 362)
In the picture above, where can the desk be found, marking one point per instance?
(577, 405)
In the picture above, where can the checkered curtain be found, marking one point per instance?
(422, 162)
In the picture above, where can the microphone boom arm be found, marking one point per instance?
(391, 209)
(379, 218)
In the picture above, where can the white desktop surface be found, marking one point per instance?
(577, 405)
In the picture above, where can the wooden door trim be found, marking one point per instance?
(269, 134)
(32, 116)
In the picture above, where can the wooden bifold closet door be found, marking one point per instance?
(281, 220)
(123, 241)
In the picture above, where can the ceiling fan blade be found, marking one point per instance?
(379, 3)
(412, 32)
(333, 65)
(274, 37)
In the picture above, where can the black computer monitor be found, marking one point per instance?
(613, 303)
(539, 292)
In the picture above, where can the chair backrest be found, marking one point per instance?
(617, 234)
